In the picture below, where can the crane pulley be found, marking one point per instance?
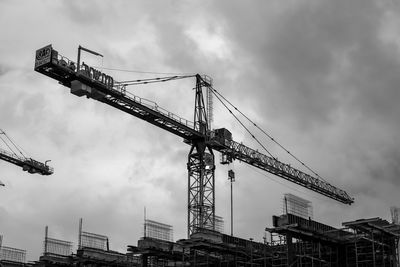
(84, 80)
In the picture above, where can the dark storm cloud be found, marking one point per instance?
(319, 52)
(387, 168)
(324, 69)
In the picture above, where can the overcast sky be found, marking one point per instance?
(322, 77)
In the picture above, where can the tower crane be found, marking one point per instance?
(84, 80)
(15, 156)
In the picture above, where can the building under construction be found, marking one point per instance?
(292, 241)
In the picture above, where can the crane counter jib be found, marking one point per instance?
(47, 54)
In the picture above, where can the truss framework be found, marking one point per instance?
(201, 189)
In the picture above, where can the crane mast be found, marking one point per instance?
(84, 80)
(201, 168)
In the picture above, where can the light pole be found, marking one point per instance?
(231, 177)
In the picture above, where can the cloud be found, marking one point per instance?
(316, 54)
(321, 76)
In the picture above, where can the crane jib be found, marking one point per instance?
(94, 84)
(221, 140)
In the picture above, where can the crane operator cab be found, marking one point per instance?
(220, 139)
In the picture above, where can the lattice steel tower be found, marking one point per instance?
(201, 169)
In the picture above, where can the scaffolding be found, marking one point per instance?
(279, 250)
(91, 240)
(375, 243)
(394, 212)
(294, 242)
(289, 251)
(219, 224)
(56, 247)
(93, 251)
(299, 242)
(10, 254)
(157, 230)
(298, 206)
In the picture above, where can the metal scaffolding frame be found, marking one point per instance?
(157, 230)
(10, 254)
(297, 206)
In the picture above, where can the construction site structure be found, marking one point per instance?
(365, 242)
(394, 212)
(298, 206)
(15, 156)
(292, 241)
(53, 246)
(10, 256)
(84, 80)
(158, 230)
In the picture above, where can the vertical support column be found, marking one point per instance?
(397, 251)
(201, 192)
(383, 251)
(342, 256)
(251, 252)
(46, 234)
(145, 260)
(80, 234)
(373, 249)
(145, 224)
(356, 249)
(290, 249)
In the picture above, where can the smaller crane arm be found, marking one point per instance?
(9, 157)
(28, 164)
